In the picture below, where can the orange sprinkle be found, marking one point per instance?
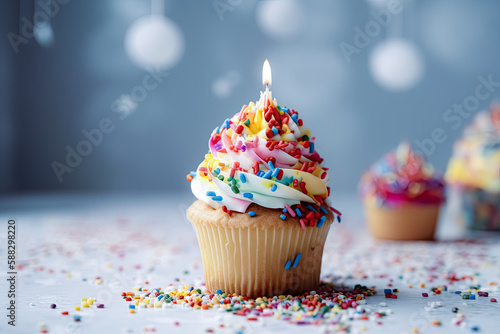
(189, 177)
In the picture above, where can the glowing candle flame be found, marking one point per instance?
(266, 74)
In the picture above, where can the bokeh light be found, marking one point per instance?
(154, 41)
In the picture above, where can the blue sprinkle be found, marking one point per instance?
(472, 297)
(294, 117)
(248, 195)
(190, 289)
(193, 173)
(225, 125)
(311, 147)
(387, 291)
(338, 218)
(160, 297)
(210, 193)
(297, 259)
(288, 264)
(274, 187)
(323, 210)
(217, 198)
(283, 216)
(321, 221)
(271, 165)
(260, 173)
(219, 291)
(76, 317)
(275, 131)
(276, 172)
(268, 174)
(309, 207)
(458, 292)
(251, 213)
(131, 306)
(217, 170)
(285, 110)
(217, 129)
(285, 210)
(290, 181)
(298, 212)
(243, 178)
(475, 328)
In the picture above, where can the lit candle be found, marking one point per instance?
(266, 80)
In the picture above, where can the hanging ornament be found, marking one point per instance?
(279, 19)
(396, 64)
(154, 41)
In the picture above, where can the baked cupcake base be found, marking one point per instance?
(247, 255)
(407, 222)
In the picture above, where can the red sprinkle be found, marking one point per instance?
(303, 187)
(239, 129)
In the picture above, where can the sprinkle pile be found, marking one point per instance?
(316, 307)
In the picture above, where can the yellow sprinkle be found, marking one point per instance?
(263, 305)
(90, 301)
(77, 308)
(84, 304)
(136, 302)
(410, 286)
(84, 299)
(362, 328)
(158, 303)
(137, 289)
(422, 285)
(267, 183)
(414, 330)
(131, 310)
(68, 275)
(196, 307)
(210, 305)
(146, 301)
(282, 297)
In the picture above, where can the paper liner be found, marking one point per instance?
(248, 256)
(407, 222)
(475, 208)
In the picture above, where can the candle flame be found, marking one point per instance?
(266, 74)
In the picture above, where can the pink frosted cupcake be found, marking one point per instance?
(402, 196)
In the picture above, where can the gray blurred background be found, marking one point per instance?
(360, 93)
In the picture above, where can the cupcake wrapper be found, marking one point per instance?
(250, 261)
(475, 208)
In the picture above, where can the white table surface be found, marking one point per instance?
(65, 241)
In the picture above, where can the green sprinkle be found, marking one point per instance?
(221, 177)
(229, 179)
(235, 189)
(305, 137)
(247, 122)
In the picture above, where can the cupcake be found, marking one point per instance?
(402, 195)
(473, 173)
(263, 213)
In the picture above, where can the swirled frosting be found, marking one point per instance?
(476, 156)
(400, 177)
(262, 155)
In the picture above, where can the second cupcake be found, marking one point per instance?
(402, 194)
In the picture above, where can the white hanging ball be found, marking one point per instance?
(154, 41)
(396, 64)
(279, 19)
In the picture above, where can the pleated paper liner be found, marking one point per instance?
(408, 222)
(247, 255)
